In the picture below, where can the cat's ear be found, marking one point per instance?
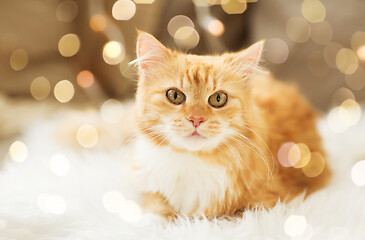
(247, 60)
(150, 52)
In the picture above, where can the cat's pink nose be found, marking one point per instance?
(196, 121)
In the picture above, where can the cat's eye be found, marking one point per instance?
(218, 99)
(175, 96)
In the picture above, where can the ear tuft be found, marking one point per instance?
(150, 52)
(247, 60)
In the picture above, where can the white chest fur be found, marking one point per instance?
(187, 182)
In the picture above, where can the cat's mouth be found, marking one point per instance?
(195, 134)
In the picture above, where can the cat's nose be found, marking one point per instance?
(196, 121)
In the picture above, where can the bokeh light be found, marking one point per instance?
(350, 112)
(144, 1)
(69, 45)
(357, 40)
(315, 166)
(304, 155)
(298, 29)
(186, 37)
(329, 53)
(360, 52)
(341, 95)
(85, 79)
(334, 121)
(205, 3)
(358, 173)
(284, 158)
(277, 51)
(112, 201)
(346, 61)
(53, 204)
(130, 211)
(87, 136)
(313, 11)
(64, 91)
(112, 111)
(123, 10)
(18, 151)
(59, 165)
(113, 52)
(216, 27)
(97, 22)
(356, 81)
(40, 88)
(295, 225)
(66, 11)
(178, 22)
(321, 32)
(18, 59)
(317, 64)
(234, 6)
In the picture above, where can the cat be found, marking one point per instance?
(209, 129)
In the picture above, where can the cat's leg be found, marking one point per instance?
(157, 203)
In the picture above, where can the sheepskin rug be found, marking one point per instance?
(60, 190)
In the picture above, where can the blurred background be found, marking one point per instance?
(77, 51)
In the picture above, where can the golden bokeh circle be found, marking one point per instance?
(69, 45)
(18, 59)
(298, 29)
(346, 61)
(313, 11)
(315, 166)
(40, 88)
(64, 91)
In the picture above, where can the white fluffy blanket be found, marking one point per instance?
(45, 199)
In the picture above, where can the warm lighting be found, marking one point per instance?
(357, 40)
(97, 22)
(315, 165)
(113, 52)
(59, 165)
(329, 53)
(321, 32)
(298, 29)
(304, 155)
(334, 122)
(317, 64)
(313, 11)
(277, 51)
(112, 201)
(356, 81)
(19, 59)
(69, 45)
(361, 53)
(358, 173)
(130, 211)
(178, 22)
(350, 112)
(66, 11)
(87, 136)
(64, 91)
(40, 88)
(18, 151)
(295, 225)
(346, 61)
(53, 204)
(234, 6)
(283, 154)
(112, 111)
(216, 27)
(85, 79)
(341, 95)
(143, 1)
(8, 42)
(186, 37)
(123, 10)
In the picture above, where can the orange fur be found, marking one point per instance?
(267, 112)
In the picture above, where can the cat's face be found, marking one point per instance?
(192, 102)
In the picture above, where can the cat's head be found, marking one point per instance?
(193, 102)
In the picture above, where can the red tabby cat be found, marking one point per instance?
(210, 129)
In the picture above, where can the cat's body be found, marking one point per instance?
(195, 154)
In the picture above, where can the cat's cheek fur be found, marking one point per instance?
(189, 183)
